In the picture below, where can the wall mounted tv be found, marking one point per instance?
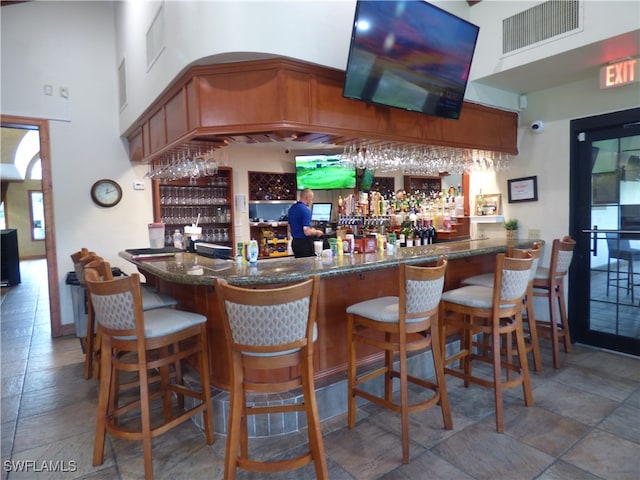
(324, 172)
(410, 55)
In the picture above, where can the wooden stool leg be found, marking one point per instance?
(533, 331)
(467, 341)
(207, 414)
(236, 398)
(103, 403)
(524, 363)
(177, 366)
(404, 401)
(351, 373)
(564, 319)
(497, 378)
(438, 365)
(89, 342)
(388, 375)
(313, 419)
(145, 413)
(553, 327)
(167, 409)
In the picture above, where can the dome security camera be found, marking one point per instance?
(537, 126)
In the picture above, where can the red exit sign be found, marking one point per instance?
(619, 73)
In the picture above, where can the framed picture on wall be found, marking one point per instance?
(523, 189)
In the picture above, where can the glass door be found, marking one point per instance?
(605, 221)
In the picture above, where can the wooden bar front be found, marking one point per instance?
(360, 277)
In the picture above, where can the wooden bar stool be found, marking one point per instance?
(136, 341)
(492, 312)
(529, 327)
(549, 283)
(404, 324)
(270, 329)
(151, 299)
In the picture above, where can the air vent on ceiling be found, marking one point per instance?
(155, 37)
(537, 24)
(122, 84)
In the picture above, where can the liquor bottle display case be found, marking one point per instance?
(179, 202)
(413, 183)
(272, 186)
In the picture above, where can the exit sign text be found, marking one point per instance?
(619, 73)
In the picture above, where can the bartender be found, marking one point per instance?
(300, 225)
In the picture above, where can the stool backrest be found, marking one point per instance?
(79, 266)
(76, 256)
(512, 274)
(102, 267)
(117, 303)
(615, 244)
(269, 320)
(561, 256)
(421, 289)
(534, 252)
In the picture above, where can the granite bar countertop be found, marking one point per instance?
(193, 269)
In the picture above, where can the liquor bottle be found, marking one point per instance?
(178, 239)
(425, 233)
(479, 203)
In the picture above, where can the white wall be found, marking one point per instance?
(72, 44)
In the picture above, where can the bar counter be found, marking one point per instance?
(189, 278)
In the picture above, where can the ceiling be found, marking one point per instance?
(9, 140)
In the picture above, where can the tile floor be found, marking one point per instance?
(585, 423)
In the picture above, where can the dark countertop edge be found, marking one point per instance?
(254, 275)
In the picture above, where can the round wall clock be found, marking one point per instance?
(106, 192)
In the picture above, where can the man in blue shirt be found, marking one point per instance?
(300, 224)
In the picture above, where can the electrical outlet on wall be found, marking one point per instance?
(534, 233)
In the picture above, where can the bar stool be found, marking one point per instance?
(270, 329)
(137, 341)
(409, 323)
(494, 312)
(620, 249)
(549, 283)
(151, 299)
(529, 327)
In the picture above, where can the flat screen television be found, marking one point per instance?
(324, 172)
(365, 179)
(321, 212)
(410, 55)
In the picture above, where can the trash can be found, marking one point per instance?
(78, 303)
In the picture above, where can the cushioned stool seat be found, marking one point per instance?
(153, 298)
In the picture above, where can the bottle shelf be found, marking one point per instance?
(272, 186)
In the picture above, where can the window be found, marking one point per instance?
(36, 210)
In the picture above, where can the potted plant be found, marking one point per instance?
(511, 226)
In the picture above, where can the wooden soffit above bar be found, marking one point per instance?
(280, 99)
